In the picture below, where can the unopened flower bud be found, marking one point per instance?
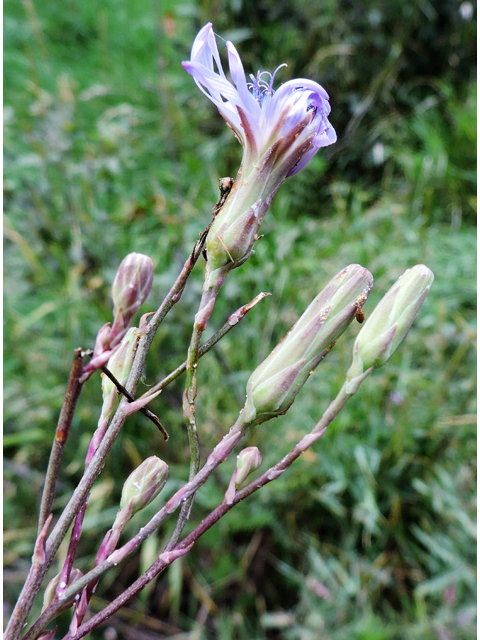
(273, 385)
(248, 460)
(144, 483)
(54, 584)
(389, 323)
(232, 240)
(130, 289)
(120, 364)
(234, 230)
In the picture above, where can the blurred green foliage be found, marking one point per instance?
(110, 148)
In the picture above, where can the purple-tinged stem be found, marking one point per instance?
(78, 523)
(72, 550)
(211, 288)
(61, 434)
(165, 559)
(34, 579)
(268, 476)
(232, 320)
(218, 455)
(106, 548)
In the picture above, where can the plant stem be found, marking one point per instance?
(232, 320)
(72, 548)
(37, 572)
(268, 476)
(218, 455)
(61, 434)
(130, 398)
(212, 285)
(146, 531)
(34, 579)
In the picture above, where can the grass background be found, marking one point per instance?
(110, 148)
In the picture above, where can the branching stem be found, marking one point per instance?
(166, 558)
(37, 572)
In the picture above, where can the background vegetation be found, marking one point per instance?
(110, 148)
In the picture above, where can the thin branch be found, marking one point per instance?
(37, 572)
(35, 576)
(61, 434)
(148, 529)
(218, 455)
(130, 398)
(232, 320)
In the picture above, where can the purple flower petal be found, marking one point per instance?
(259, 116)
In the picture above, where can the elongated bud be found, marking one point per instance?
(144, 484)
(120, 364)
(273, 385)
(389, 323)
(52, 586)
(130, 289)
(234, 240)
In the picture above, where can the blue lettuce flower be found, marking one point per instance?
(292, 119)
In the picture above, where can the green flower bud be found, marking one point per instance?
(144, 484)
(235, 241)
(234, 230)
(120, 364)
(232, 241)
(130, 289)
(389, 323)
(273, 385)
(248, 460)
(52, 586)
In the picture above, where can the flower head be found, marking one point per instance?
(248, 460)
(280, 132)
(294, 117)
